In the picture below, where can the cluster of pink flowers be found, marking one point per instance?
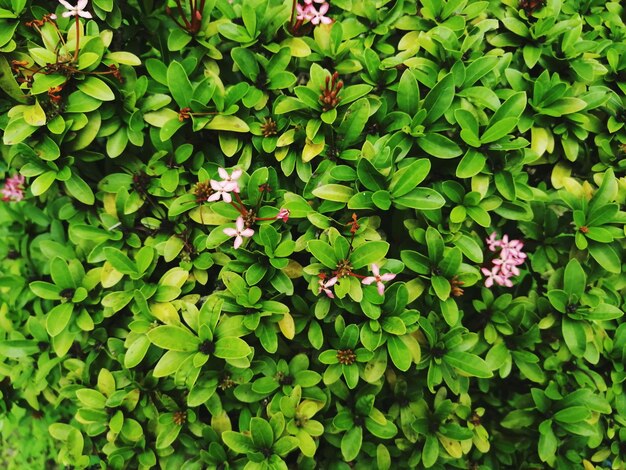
(224, 187)
(13, 189)
(377, 278)
(504, 267)
(308, 12)
(224, 190)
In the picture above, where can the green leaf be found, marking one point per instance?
(334, 192)
(238, 442)
(45, 290)
(441, 286)
(606, 257)
(368, 253)
(430, 453)
(17, 131)
(179, 84)
(41, 184)
(574, 336)
(35, 115)
(227, 123)
(399, 353)
(231, 348)
(80, 190)
(573, 414)
(575, 280)
(548, 442)
(58, 318)
(120, 261)
(407, 178)
(467, 363)
(173, 338)
(353, 122)
(261, 433)
(323, 252)
(408, 93)
(439, 99)
(499, 129)
(96, 88)
(421, 199)
(439, 146)
(351, 443)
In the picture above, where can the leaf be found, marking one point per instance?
(34, 115)
(399, 353)
(334, 192)
(368, 253)
(421, 199)
(231, 348)
(173, 338)
(261, 433)
(606, 257)
(96, 88)
(120, 261)
(179, 84)
(469, 364)
(439, 146)
(351, 443)
(227, 123)
(353, 122)
(17, 131)
(323, 252)
(574, 336)
(58, 318)
(408, 93)
(573, 414)
(407, 178)
(80, 190)
(439, 99)
(575, 280)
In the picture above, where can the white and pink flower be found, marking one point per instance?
(240, 232)
(378, 279)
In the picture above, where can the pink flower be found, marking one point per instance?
(219, 192)
(13, 189)
(224, 187)
(325, 286)
(283, 214)
(506, 264)
(240, 232)
(494, 276)
(305, 13)
(492, 242)
(319, 15)
(229, 182)
(79, 9)
(378, 279)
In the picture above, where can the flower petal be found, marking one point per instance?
(238, 241)
(231, 232)
(381, 288)
(368, 280)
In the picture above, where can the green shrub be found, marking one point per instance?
(266, 235)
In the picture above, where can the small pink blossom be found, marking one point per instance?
(79, 9)
(283, 214)
(325, 286)
(319, 17)
(219, 192)
(492, 242)
(13, 189)
(305, 13)
(505, 266)
(378, 279)
(229, 182)
(239, 232)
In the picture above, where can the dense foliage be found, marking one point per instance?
(348, 234)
